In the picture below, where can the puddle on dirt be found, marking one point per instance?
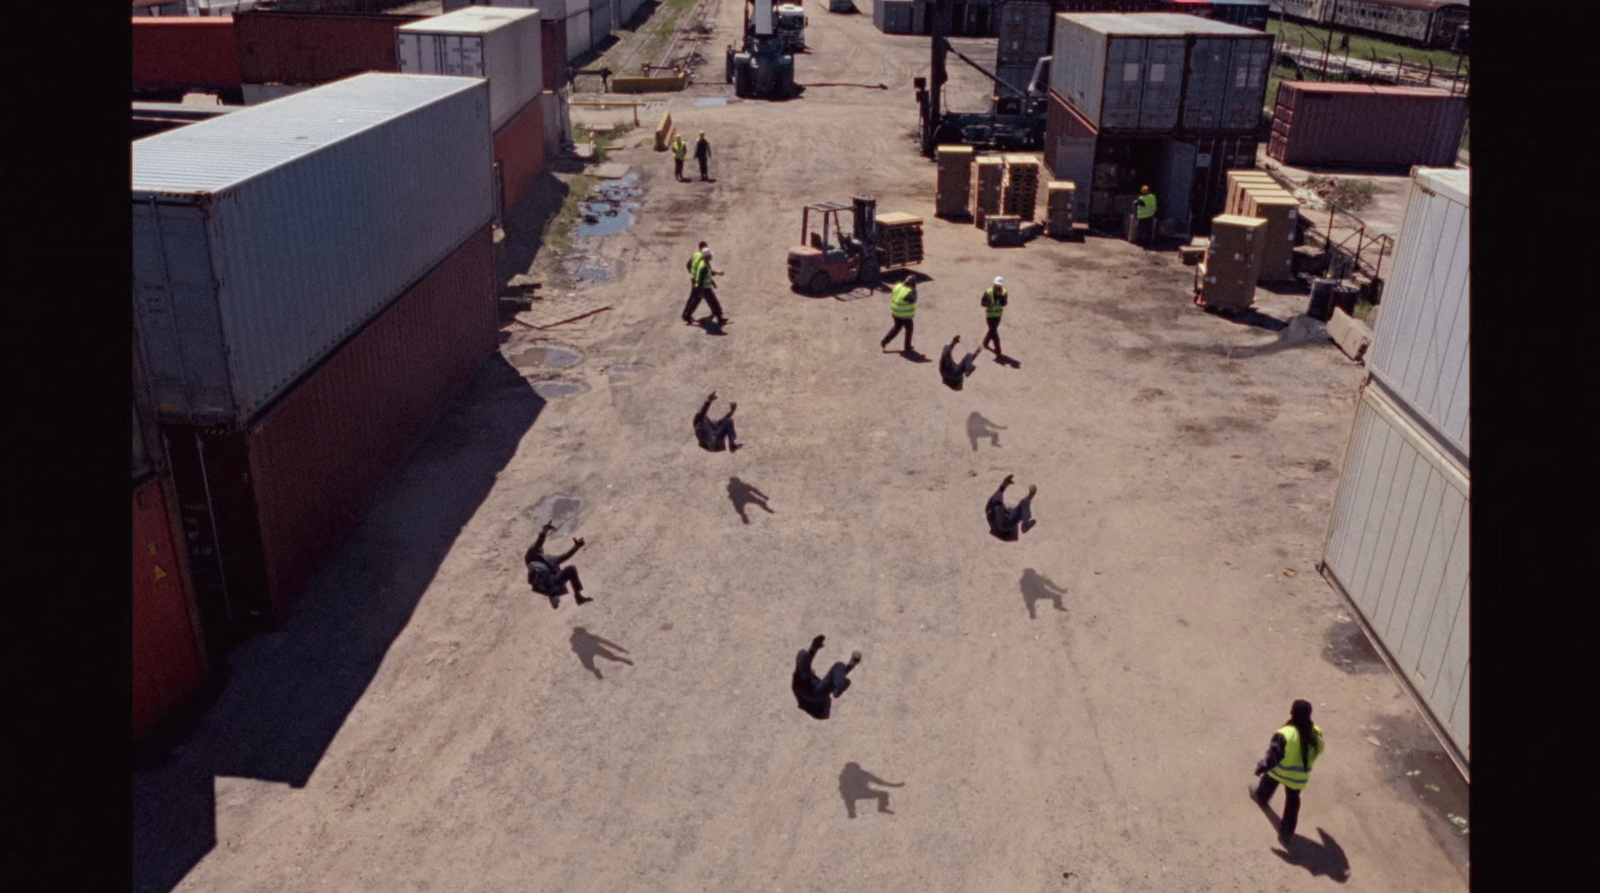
(1435, 781)
(591, 275)
(557, 387)
(627, 369)
(1348, 649)
(552, 355)
(608, 210)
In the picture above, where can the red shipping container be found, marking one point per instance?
(519, 154)
(280, 498)
(314, 48)
(553, 53)
(1069, 150)
(1371, 125)
(168, 664)
(183, 53)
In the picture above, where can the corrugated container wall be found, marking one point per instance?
(519, 151)
(280, 498)
(311, 48)
(1421, 351)
(892, 16)
(578, 38)
(600, 15)
(168, 664)
(1069, 149)
(236, 291)
(479, 41)
(1398, 546)
(171, 52)
(1366, 124)
(1023, 29)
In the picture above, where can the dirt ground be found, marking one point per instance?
(1079, 710)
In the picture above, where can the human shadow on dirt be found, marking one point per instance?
(979, 427)
(744, 495)
(915, 356)
(1324, 859)
(855, 783)
(289, 692)
(711, 326)
(588, 646)
(1036, 587)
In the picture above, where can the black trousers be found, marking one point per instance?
(703, 163)
(1147, 230)
(677, 168)
(812, 694)
(558, 584)
(899, 324)
(1291, 803)
(696, 295)
(1005, 523)
(994, 334)
(718, 435)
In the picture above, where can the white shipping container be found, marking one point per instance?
(1421, 349)
(264, 237)
(1398, 547)
(578, 38)
(255, 94)
(480, 41)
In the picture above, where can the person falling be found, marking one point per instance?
(1005, 523)
(718, 435)
(814, 695)
(546, 575)
(954, 373)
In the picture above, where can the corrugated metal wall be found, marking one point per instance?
(519, 150)
(1421, 351)
(578, 39)
(1398, 545)
(308, 48)
(181, 52)
(168, 664)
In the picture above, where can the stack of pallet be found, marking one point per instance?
(954, 198)
(1254, 194)
(1233, 262)
(900, 237)
(991, 182)
(1059, 196)
(1021, 185)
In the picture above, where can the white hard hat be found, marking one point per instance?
(999, 281)
(706, 253)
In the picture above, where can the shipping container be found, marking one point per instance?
(1132, 73)
(479, 41)
(168, 659)
(314, 48)
(1366, 125)
(553, 53)
(264, 507)
(1397, 547)
(1023, 29)
(1421, 349)
(181, 53)
(237, 287)
(1069, 150)
(601, 15)
(578, 41)
(1244, 13)
(519, 154)
(892, 16)
(1188, 176)
(557, 130)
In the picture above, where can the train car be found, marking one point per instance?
(1428, 23)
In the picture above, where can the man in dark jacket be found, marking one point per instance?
(1004, 522)
(702, 154)
(954, 373)
(546, 575)
(718, 435)
(812, 694)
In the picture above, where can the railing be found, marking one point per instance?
(1353, 247)
(1327, 64)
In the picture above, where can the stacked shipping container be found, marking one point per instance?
(1398, 542)
(1024, 30)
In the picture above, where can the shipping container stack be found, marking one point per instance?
(1023, 31)
(502, 44)
(895, 16)
(1060, 197)
(1257, 195)
(290, 379)
(577, 21)
(173, 55)
(991, 184)
(1398, 542)
(954, 195)
(1366, 125)
(1021, 188)
(282, 52)
(1232, 265)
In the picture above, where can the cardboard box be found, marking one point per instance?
(1236, 248)
(1282, 213)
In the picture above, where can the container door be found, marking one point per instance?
(1163, 85)
(1124, 85)
(176, 312)
(1247, 85)
(1174, 186)
(1074, 160)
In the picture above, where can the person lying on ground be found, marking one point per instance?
(547, 577)
(718, 435)
(1004, 522)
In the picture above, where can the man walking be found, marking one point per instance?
(994, 306)
(680, 150)
(813, 694)
(1144, 210)
(718, 435)
(702, 154)
(1290, 755)
(547, 577)
(903, 307)
(703, 287)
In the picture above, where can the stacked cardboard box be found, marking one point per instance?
(1236, 179)
(1233, 261)
(991, 182)
(1021, 191)
(900, 237)
(1059, 195)
(954, 198)
(1282, 213)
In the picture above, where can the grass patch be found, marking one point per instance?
(1349, 195)
(564, 223)
(1364, 46)
(1363, 309)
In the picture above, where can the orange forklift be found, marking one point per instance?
(832, 254)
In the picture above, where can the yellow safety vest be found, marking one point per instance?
(679, 148)
(702, 275)
(899, 307)
(694, 267)
(1294, 770)
(993, 307)
(1147, 206)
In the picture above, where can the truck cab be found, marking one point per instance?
(790, 20)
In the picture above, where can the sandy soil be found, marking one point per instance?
(1079, 710)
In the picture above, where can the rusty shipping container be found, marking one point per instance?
(314, 48)
(263, 508)
(168, 663)
(553, 52)
(182, 52)
(1372, 125)
(519, 154)
(1069, 148)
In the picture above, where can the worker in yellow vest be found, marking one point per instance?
(994, 306)
(680, 151)
(1144, 210)
(1290, 755)
(903, 307)
(703, 287)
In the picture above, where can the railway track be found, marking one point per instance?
(686, 30)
